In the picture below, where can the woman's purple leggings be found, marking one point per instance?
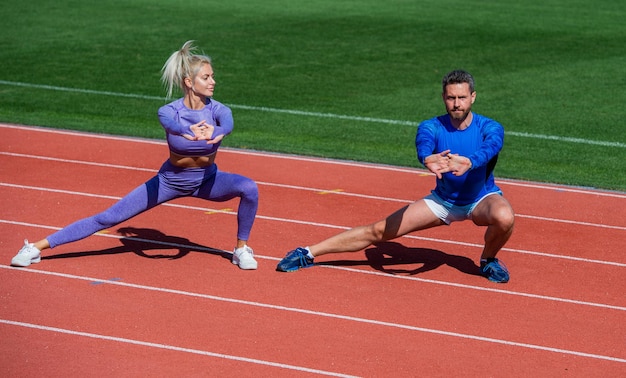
(171, 182)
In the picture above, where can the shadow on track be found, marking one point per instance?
(387, 257)
(144, 242)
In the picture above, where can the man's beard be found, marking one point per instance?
(457, 116)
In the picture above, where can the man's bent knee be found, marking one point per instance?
(503, 217)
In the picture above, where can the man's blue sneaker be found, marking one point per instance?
(295, 260)
(494, 270)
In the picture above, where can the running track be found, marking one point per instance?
(158, 296)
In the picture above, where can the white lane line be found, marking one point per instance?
(170, 347)
(316, 224)
(295, 187)
(554, 187)
(347, 269)
(327, 315)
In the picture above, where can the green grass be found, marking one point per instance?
(552, 68)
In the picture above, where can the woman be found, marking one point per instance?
(194, 127)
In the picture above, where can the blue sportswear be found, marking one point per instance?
(480, 142)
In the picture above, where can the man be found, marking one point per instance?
(461, 148)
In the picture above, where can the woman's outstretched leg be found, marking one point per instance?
(142, 198)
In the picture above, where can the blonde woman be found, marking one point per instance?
(194, 128)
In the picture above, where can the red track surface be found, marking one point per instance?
(168, 302)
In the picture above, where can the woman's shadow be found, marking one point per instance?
(142, 241)
(388, 256)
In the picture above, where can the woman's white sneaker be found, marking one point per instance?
(244, 258)
(29, 254)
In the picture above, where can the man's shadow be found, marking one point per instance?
(141, 241)
(384, 256)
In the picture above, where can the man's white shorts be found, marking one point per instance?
(448, 212)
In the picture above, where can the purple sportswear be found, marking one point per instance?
(173, 182)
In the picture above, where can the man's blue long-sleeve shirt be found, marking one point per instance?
(480, 142)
